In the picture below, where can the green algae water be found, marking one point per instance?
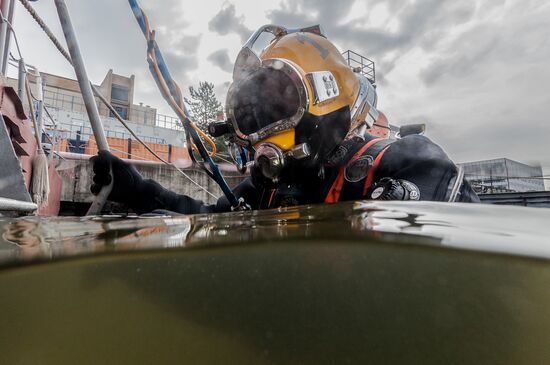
(350, 283)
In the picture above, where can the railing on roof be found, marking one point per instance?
(66, 101)
(166, 121)
(73, 131)
(361, 64)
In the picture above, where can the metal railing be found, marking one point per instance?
(362, 64)
(166, 121)
(73, 131)
(71, 102)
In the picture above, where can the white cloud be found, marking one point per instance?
(226, 21)
(474, 71)
(221, 59)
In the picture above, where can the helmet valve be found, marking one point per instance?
(271, 160)
(299, 151)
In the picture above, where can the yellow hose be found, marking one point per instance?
(166, 91)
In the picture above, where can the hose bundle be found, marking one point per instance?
(172, 94)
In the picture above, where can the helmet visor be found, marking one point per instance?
(264, 98)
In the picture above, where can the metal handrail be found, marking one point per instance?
(65, 101)
(366, 66)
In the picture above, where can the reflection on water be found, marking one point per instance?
(42, 238)
(349, 283)
(514, 230)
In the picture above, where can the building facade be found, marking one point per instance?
(65, 120)
(503, 175)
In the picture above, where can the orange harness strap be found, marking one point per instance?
(272, 195)
(333, 195)
(370, 175)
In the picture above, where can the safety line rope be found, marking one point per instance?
(172, 94)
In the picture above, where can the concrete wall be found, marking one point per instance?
(143, 115)
(76, 180)
(64, 93)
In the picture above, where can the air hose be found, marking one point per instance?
(172, 94)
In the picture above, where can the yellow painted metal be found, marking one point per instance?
(309, 52)
(284, 140)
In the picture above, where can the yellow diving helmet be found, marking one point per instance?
(297, 100)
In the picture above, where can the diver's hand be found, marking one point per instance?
(127, 180)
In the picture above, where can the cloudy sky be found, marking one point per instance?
(475, 71)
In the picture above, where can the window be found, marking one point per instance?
(119, 92)
(122, 111)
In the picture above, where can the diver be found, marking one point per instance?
(304, 122)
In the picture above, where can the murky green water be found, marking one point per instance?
(351, 283)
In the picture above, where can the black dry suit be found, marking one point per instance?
(410, 168)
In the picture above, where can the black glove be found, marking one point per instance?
(130, 188)
(127, 180)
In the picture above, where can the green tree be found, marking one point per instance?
(203, 104)
(205, 108)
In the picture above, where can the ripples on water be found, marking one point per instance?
(349, 283)
(519, 231)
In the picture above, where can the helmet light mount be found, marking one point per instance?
(324, 86)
